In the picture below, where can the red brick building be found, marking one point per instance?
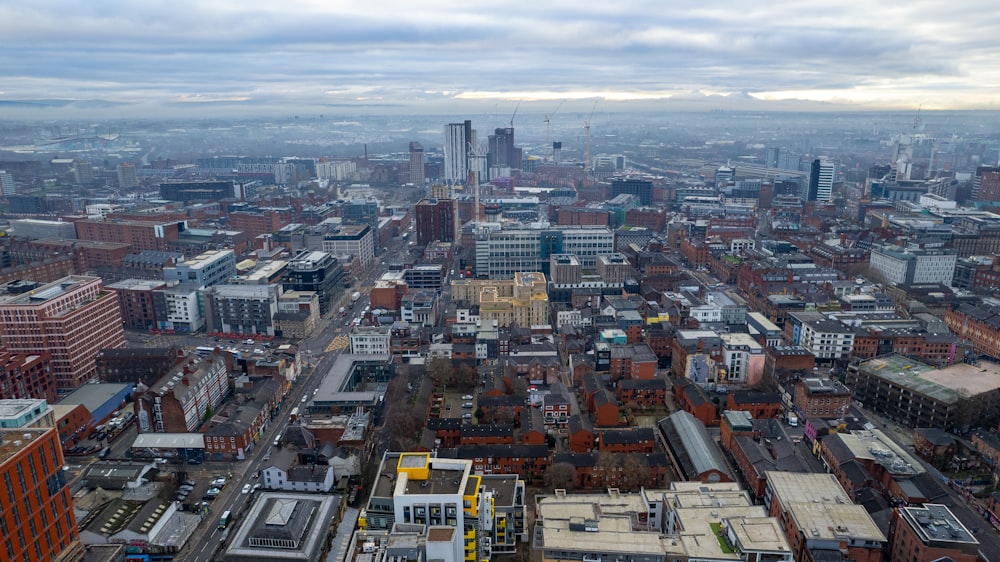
(570, 216)
(592, 474)
(486, 434)
(448, 430)
(27, 375)
(930, 532)
(580, 437)
(135, 301)
(644, 392)
(633, 361)
(822, 398)
(693, 399)
(696, 252)
(632, 440)
(71, 319)
(140, 235)
(527, 461)
(761, 405)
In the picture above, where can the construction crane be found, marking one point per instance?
(916, 120)
(586, 126)
(548, 132)
(514, 115)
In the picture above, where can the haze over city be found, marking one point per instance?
(116, 59)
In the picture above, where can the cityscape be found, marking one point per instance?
(558, 332)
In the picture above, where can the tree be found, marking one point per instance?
(561, 475)
(520, 389)
(606, 469)
(635, 472)
(440, 370)
(403, 429)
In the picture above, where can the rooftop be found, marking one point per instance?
(945, 385)
(935, 523)
(12, 441)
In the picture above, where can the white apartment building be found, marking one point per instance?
(914, 266)
(501, 253)
(370, 340)
(828, 340)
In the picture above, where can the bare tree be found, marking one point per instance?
(561, 475)
(635, 472)
(520, 389)
(606, 469)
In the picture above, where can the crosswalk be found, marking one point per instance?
(338, 343)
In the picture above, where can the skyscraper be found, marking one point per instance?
(416, 163)
(6, 183)
(435, 220)
(821, 181)
(643, 189)
(457, 140)
(127, 178)
(503, 156)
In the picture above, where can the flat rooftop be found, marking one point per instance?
(16, 439)
(936, 523)
(943, 385)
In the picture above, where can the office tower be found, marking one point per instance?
(39, 523)
(6, 183)
(557, 151)
(503, 155)
(459, 138)
(83, 172)
(72, 319)
(643, 189)
(435, 221)
(986, 184)
(821, 181)
(127, 178)
(416, 163)
(723, 175)
(771, 157)
(360, 211)
(315, 271)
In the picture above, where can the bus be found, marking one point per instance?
(226, 518)
(204, 351)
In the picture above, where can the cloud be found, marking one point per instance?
(886, 54)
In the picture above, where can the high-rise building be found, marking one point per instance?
(6, 183)
(435, 221)
(643, 189)
(315, 271)
(72, 319)
(771, 157)
(986, 184)
(83, 172)
(416, 163)
(458, 139)
(37, 510)
(503, 156)
(127, 177)
(821, 181)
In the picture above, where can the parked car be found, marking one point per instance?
(467, 397)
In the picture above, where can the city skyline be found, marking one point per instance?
(114, 58)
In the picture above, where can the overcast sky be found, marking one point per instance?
(175, 53)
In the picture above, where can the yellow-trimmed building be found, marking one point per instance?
(523, 299)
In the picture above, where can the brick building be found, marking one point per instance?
(71, 319)
(27, 375)
(822, 398)
(177, 403)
